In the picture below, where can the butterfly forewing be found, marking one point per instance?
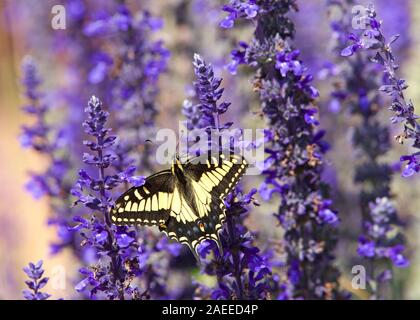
(149, 204)
(217, 175)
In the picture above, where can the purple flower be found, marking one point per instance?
(241, 271)
(328, 216)
(126, 258)
(48, 140)
(310, 118)
(266, 191)
(101, 236)
(36, 282)
(130, 42)
(34, 136)
(238, 57)
(382, 240)
(116, 243)
(239, 9)
(114, 49)
(360, 94)
(228, 22)
(350, 50)
(411, 167)
(294, 164)
(287, 61)
(142, 61)
(366, 248)
(98, 73)
(380, 51)
(124, 240)
(398, 259)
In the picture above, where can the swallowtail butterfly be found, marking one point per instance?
(185, 202)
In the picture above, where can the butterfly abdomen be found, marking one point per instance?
(178, 172)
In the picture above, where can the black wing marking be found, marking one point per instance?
(217, 175)
(210, 181)
(149, 204)
(188, 213)
(194, 232)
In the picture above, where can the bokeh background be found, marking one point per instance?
(25, 29)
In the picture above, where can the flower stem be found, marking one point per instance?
(235, 256)
(115, 261)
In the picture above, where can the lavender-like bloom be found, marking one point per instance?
(382, 239)
(242, 273)
(115, 49)
(36, 282)
(294, 163)
(49, 141)
(373, 41)
(115, 246)
(36, 136)
(371, 139)
(138, 63)
(239, 9)
(382, 244)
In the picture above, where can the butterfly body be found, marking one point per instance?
(185, 202)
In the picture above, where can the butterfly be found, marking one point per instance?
(186, 202)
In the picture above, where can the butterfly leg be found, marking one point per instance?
(196, 256)
(219, 243)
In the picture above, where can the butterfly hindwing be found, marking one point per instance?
(149, 204)
(194, 231)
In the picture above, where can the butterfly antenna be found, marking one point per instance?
(177, 148)
(180, 139)
(184, 156)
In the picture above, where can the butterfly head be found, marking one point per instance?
(176, 164)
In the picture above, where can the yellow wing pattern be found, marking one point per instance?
(189, 210)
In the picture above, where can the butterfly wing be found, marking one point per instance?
(189, 213)
(217, 175)
(210, 181)
(195, 231)
(149, 204)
